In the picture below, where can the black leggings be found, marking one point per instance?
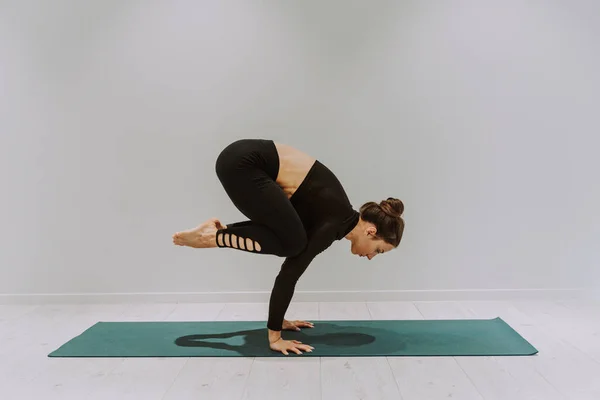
(248, 170)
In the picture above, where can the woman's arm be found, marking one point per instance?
(291, 271)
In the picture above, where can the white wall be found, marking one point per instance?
(481, 116)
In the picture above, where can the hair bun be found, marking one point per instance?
(392, 207)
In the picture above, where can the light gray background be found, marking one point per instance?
(481, 116)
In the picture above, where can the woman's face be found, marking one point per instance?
(366, 245)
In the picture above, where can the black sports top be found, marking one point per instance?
(327, 215)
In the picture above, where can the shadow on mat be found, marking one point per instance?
(255, 340)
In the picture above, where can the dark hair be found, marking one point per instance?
(387, 218)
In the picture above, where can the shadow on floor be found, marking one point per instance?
(255, 340)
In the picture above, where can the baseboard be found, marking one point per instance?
(299, 296)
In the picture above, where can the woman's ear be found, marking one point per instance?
(371, 231)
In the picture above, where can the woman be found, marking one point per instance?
(296, 209)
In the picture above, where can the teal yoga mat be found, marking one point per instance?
(467, 337)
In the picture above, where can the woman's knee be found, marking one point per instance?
(223, 165)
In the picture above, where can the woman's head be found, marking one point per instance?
(379, 229)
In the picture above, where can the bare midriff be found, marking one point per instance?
(294, 165)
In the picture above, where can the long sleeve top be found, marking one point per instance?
(326, 212)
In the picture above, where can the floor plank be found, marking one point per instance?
(432, 378)
(338, 311)
(496, 377)
(423, 377)
(293, 378)
(211, 379)
(139, 378)
(568, 368)
(355, 377)
(393, 310)
(244, 312)
(195, 312)
(10, 312)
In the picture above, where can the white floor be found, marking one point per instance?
(567, 334)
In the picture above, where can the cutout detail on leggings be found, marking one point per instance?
(237, 242)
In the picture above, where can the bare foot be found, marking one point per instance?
(202, 236)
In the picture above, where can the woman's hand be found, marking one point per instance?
(291, 345)
(296, 325)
